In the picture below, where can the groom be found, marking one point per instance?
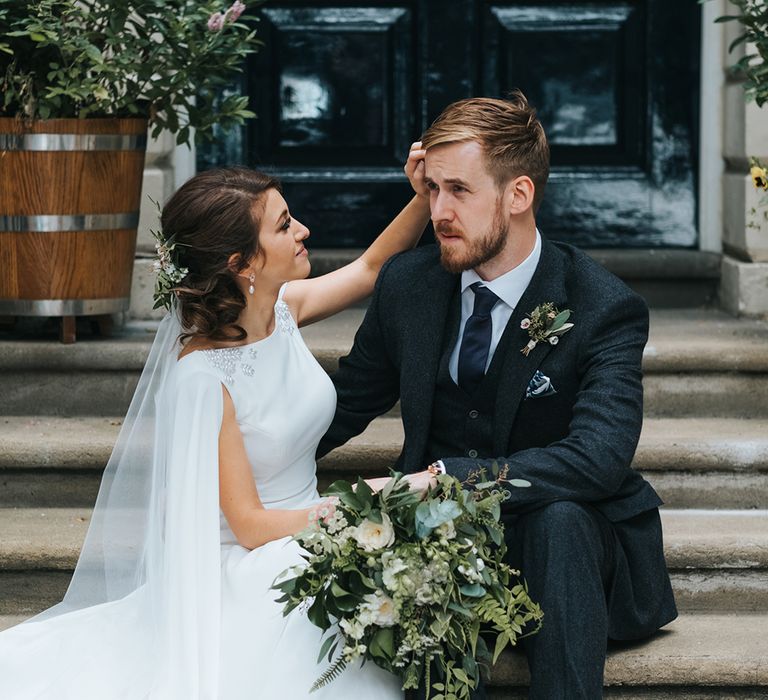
(444, 333)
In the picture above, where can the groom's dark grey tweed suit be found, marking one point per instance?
(587, 533)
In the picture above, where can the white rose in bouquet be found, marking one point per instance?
(380, 609)
(372, 536)
(354, 629)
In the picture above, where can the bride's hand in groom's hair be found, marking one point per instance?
(414, 169)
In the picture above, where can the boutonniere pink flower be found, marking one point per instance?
(545, 324)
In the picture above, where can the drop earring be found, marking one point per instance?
(252, 279)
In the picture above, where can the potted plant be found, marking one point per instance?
(80, 83)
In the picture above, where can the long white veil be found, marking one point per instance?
(123, 528)
(141, 616)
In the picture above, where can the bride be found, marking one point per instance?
(213, 471)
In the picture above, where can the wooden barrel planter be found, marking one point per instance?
(70, 192)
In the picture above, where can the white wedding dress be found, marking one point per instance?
(198, 620)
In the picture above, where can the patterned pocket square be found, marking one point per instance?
(539, 386)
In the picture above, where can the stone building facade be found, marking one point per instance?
(731, 131)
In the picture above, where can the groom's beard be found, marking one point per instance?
(475, 252)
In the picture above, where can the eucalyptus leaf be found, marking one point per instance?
(562, 330)
(473, 590)
(518, 483)
(325, 647)
(485, 485)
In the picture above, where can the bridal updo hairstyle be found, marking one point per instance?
(214, 215)
(509, 132)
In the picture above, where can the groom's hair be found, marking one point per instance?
(512, 137)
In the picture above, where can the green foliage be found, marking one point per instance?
(406, 581)
(753, 16)
(330, 674)
(156, 59)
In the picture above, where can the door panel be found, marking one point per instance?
(342, 88)
(622, 149)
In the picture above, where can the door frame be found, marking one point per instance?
(711, 129)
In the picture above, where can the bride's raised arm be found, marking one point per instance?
(313, 299)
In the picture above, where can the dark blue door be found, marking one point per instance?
(341, 89)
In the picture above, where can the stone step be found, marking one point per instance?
(718, 560)
(51, 461)
(697, 363)
(696, 657)
(664, 277)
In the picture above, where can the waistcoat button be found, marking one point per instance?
(472, 453)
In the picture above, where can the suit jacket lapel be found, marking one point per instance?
(428, 322)
(546, 285)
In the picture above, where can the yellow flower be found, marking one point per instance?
(759, 177)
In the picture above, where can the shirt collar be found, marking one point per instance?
(510, 286)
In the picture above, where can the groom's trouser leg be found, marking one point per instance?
(565, 551)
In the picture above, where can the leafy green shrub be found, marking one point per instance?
(166, 60)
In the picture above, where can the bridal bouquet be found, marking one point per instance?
(406, 582)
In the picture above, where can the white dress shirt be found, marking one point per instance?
(509, 287)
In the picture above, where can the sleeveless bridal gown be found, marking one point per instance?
(223, 636)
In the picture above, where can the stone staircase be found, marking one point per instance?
(704, 447)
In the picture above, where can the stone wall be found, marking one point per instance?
(167, 167)
(744, 280)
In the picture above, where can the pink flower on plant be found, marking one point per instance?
(525, 323)
(216, 22)
(234, 12)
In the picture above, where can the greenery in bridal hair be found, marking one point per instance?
(545, 323)
(169, 272)
(407, 583)
(165, 60)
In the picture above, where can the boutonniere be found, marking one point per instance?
(545, 323)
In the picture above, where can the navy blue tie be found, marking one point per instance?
(476, 342)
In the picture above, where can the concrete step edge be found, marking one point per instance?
(674, 445)
(695, 540)
(696, 651)
(681, 341)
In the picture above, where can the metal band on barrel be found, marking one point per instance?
(73, 142)
(62, 307)
(69, 222)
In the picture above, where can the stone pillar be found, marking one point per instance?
(744, 281)
(167, 166)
